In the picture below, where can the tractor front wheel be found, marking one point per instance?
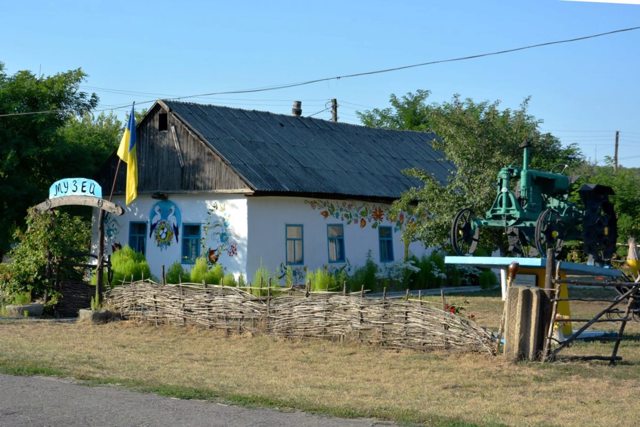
(464, 233)
(549, 233)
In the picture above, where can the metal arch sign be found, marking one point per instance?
(95, 202)
(75, 187)
(79, 192)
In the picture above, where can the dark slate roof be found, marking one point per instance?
(277, 153)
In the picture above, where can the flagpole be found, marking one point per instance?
(115, 177)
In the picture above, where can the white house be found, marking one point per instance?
(250, 188)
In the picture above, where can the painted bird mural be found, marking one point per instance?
(213, 256)
(155, 220)
(173, 221)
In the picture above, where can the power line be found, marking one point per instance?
(583, 130)
(422, 64)
(381, 71)
(318, 112)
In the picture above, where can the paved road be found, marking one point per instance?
(44, 401)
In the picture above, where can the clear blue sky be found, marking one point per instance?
(142, 50)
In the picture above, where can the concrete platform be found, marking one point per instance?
(566, 267)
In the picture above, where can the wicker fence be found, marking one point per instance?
(394, 323)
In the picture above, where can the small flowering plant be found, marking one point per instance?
(457, 309)
(453, 309)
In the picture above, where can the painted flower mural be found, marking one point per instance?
(363, 214)
(217, 227)
(111, 226)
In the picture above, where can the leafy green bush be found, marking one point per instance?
(432, 272)
(176, 273)
(55, 234)
(487, 279)
(342, 278)
(21, 298)
(229, 280)
(5, 277)
(128, 265)
(454, 276)
(365, 275)
(241, 282)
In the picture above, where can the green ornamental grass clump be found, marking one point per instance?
(262, 279)
(322, 280)
(215, 275)
(176, 274)
(199, 271)
(229, 280)
(129, 265)
(288, 277)
(202, 273)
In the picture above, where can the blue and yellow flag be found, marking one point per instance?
(127, 152)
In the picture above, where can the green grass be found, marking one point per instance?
(27, 369)
(337, 379)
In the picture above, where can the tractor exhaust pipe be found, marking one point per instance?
(526, 146)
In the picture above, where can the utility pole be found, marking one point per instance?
(334, 110)
(615, 152)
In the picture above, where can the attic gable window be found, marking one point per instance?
(163, 123)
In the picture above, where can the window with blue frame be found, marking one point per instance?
(385, 235)
(335, 236)
(190, 243)
(138, 236)
(294, 236)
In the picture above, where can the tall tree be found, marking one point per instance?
(87, 142)
(479, 138)
(33, 110)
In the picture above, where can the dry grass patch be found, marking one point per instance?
(338, 379)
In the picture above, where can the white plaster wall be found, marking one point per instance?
(193, 209)
(267, 217)
(257, 225)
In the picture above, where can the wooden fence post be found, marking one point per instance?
(184, 317)
(155, 306)
(444, 323)
(268, 304)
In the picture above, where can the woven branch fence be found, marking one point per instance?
(392, 323)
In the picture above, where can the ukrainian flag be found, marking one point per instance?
(127, 152)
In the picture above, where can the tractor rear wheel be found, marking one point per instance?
(464, 233)
(600, 231)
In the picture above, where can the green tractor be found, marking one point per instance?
(536, 214)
